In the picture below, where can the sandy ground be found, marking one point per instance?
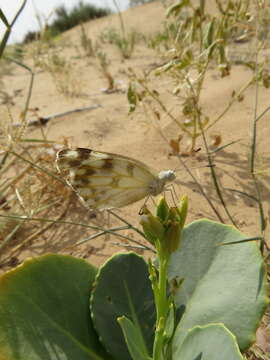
(109, 128)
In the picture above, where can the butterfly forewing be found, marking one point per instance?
(105, 180)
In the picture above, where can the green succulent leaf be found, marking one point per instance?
(210, 342)
(222, 284)
(123, 288)
(133, 339)
(170, 323)
(44, 311)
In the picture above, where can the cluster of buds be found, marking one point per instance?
(164, 229)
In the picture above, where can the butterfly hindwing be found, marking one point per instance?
(105, 180)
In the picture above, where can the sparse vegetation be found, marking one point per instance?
(192, 42)
(125, 44)
(104, 63)
(86, 42)
(64, 77)
(163, 39)
(67, 19)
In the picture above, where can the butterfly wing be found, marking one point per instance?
(105, 180)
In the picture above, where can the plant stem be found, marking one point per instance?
(126, 222)
(37, 166)
(55, 221)
(121, 19)
(209, 155)
(253, 153)
(263, 113)
(118, 228)
(213, 175)
(163, 107)
(231, 102)
(30, 89)
(9, 26)
(161, 306)
(202, 191)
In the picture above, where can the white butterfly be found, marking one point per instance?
(104, 180)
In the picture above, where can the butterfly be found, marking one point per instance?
(104, 180)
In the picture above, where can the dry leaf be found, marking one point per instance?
(216, 140)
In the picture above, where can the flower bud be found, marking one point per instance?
(172, 237)
(152, 227)
(174, 214)
(183, 209)
(162, 209)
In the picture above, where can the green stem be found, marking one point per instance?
(214, 176)
(253, 152)
(161, 306)
(207, 198)
(106, 231)
(231, 102)
(30, 89)
(121, 19)
(163, 107)
(126, 222)
(9, 26)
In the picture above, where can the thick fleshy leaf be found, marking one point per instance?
(123, 289)
(133, 339)
(210, 342)
(222, 284)
(44, 311)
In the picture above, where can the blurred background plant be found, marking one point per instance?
(66, 19)
(192, 42)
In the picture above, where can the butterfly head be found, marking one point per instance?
(167, 176)
(157, 186)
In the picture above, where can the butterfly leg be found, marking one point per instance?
(171, 189)
(108, 225)
(145, 203)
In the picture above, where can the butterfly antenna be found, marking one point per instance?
(194, 167)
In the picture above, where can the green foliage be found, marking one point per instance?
(164, 229)
(125, 42)
(67, 19)
(81, 13)
(16, 52)
(60, 69)
(197, 346)
(227, 272)
(163, 39)
(31, 36)
(104, 63)
(60, 321)
(86, 42)
(220, 291)
(44, 304)
(112, 299)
